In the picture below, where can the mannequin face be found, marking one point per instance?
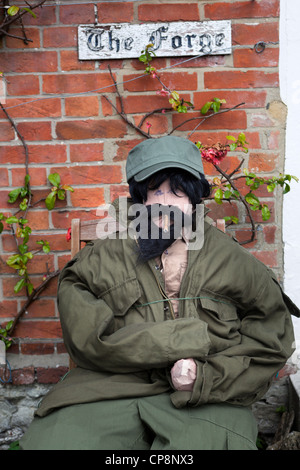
(168, 212)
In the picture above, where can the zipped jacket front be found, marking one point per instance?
(120, 329)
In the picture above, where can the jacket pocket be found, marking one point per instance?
(122, 296)
(225, 311)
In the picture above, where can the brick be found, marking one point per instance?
(23, 85)
(204, 61)
(245, 235)
(273, 140)
(251, 33)
(269, 232)
(229, 164)
(62, 220)
(77, 83)
(38, 176)
(250, 58)
(82, 106)
(124, 147)
(45, 16)
(26, 62)
(76, 14)
(117, 191)
(252, 99)
(218, 211)
(60, 37)
(175, 80)
(32, 33)
(232, 120)
(69, 61)
(256, 215)
(84, 175)
(239, 79)
(90, 129)
(170, 12)
(47, 108)
(269, 258)
(262, 162)
(41, 308)
(61, 348)
(38, 220)
(144, 103)
(158, 124)
(12, 154)
(210, 138)
(47, 153)
(38, 329)
(6, 131)
(242, 9)
(33, 131)
(3, 177)
(118, 12)
(260, 120)
(86, 152)
(50, 375)
(8, 308)
(88, 197)
(37, 348)
(25, 376)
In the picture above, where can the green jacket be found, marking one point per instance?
(119, 327)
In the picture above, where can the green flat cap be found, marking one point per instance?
(153, 155)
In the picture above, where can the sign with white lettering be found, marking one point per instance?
(124, 41)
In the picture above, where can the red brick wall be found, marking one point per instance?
(83, 139)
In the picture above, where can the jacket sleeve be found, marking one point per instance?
(93, 343)
(242, 374)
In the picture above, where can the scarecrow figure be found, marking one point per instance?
(173, 340)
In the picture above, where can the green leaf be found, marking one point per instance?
(287, 188)
(27, 179)
(13, 260)
(50, 200)
(12, 220)
(46, 248)
(23, 205)
(29, 287)
(29, 11)
(54, 179)
(219, 194)
(13, 195)
(230, 137)
(251, 199)
(13, 10)
(66, 187)
(1, 227)
(175, 95)
(216, 106)
(271, 187)
(20, 284)
(265, 212)
(61, 194)
(206, 107)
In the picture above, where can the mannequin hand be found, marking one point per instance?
(183, 374)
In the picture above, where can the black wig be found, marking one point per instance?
(182, 180)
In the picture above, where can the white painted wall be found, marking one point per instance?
(290, 94)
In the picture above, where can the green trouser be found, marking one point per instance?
(148, 423)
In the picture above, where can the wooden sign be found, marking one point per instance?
(124, 41)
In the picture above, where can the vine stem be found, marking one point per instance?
(242, 199)
(33, 296)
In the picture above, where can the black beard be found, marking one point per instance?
(150, 248)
